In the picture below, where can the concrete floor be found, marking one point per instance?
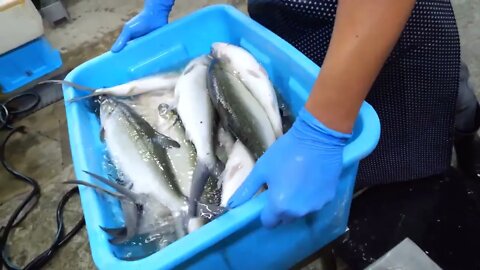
(43, 152)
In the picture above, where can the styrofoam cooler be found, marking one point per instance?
(20, 23)
(235, 240)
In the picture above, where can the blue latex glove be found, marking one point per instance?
(154, 15)
(302, 170)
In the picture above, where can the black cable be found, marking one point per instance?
(60, 238)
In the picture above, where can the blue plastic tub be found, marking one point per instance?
(235, 240)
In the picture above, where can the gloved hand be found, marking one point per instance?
(302, 170)
(154, 15)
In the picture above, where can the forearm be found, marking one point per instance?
(364, 34)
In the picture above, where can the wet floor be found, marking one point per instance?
(43, 152)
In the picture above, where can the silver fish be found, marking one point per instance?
(154, 83)
(160, 113)
(140, 152)
(239, 111)
(241, 63)
(137, 147)
(165, 119)
(197, 114)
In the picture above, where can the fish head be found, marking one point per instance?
(164, 109)
(219, 50)
(107, 107)
(167, 113)
(201, 61)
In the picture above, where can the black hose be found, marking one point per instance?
(60, 238)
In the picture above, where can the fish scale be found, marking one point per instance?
(135, 152)
(239, 111)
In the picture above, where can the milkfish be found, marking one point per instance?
(197, 114)
(162, 114)
(241, 63)
(158, 82)
(140, 152)
(239, 111)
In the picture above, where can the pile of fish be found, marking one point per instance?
(182, 143)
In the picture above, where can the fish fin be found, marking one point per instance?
(84, 183)
(118, 240)
(180, 223)
(253, 73)
(218, 168)
(115, 232)
(131, 216)
(164, 141)
(131, 90)
(76, 99)
(119, 188)
(188, 69)
(195, 223)
(200, 177)
(102, 134)
(72, 84)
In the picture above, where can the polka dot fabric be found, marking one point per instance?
(414, 94)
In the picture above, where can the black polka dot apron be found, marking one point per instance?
(414, 94)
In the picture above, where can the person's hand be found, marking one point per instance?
(302, 170)
(154, 15)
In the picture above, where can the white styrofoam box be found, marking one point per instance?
(20, 23)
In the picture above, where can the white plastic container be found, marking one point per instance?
(20, 23)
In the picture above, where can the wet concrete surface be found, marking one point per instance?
(43, 153)
(94, 25)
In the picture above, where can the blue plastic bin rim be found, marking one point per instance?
(192, 244)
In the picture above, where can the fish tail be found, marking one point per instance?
(200, 176)
(115, 232)
(72, 84)
(180, 223)
(132, 217)
(76, 99)
(84, 183)
(134, 197)
(164, 141)
(195, 223)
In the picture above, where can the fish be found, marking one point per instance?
(137, 147)
(152, 83)
(184, 158)
(160, 112)
(241, 63)
(198, 116)
(140, 152)
(142, 214)
(195, 108)
(165, 119)
(239, 165)
(239, 111)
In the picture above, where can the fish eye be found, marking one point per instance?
(163, 108)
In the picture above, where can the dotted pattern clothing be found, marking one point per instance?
(414, 94)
